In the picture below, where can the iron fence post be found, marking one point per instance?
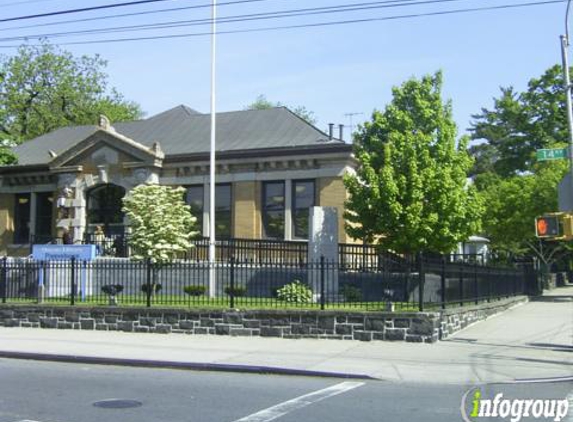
(4, 278)
(73, 280)
(462, 284)
(476, 292)
(148, 282)
(489, 289)
(421, 282)
(443, 282)
(322, 290)
(232, 284)
(42, 281)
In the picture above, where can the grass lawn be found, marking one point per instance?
(219, 303)
(241, 303)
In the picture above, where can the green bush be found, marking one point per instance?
(351, 293)
(295, 292)
(195, 290)
(236, 291)
(155, 289)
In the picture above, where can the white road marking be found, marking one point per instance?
(283, 408)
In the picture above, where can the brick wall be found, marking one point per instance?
(332, 193)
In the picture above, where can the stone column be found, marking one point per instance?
(323, 242)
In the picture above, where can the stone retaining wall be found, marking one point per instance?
(333, 324)
(456, 319)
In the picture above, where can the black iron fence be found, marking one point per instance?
(391, 282)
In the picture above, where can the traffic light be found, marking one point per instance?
(549, 226)
(555, 226)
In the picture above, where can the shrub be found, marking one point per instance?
(351, 293)
(112, 289)
(236, 291)
(155, 289)
(295, 292)
(195, 290)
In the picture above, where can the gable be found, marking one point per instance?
(106, 147)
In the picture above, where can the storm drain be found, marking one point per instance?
(117, 404)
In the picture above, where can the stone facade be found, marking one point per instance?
(418, 327)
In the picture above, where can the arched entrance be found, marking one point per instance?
(103, 205)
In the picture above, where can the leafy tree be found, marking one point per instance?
(410, 191)
(161, 223)
(43, 88)
(261, 103)
(512, 205)
(6, 154)
(519, 124)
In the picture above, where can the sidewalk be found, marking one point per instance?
(534, 340)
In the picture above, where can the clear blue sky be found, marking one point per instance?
(331, 70)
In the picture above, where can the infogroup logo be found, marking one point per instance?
(512, 409)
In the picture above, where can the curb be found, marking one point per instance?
(189, 366)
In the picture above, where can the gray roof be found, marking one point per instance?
(182, 130)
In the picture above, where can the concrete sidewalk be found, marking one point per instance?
(534, 340)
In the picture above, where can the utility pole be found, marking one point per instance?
(567, 86)
(351, 126)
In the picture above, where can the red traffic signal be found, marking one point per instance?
(548, 226)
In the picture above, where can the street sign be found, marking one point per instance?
(551, 154)
(63, 252)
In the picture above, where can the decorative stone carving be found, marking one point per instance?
(141, 175)
(103, 173)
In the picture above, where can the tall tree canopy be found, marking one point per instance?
(43, 88)
(261, 103)
(410, 190)
(516, 187)
(519, 124)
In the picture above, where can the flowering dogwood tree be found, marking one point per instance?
(161, 223)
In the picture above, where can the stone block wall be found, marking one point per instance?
(418, 327)
(411, 327)
(456, 319)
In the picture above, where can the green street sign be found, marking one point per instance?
(551, 154)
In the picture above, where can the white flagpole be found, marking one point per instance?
(212, 280)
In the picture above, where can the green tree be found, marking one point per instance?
(161, 224)
(261, 103)
(410, 190)
(512, 205)
(519, 124)
(6, 154)
(43, 88)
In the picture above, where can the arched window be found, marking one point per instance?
(104, 203)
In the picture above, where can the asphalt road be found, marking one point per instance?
(57, 392)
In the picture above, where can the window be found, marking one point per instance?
(43, 227)
(223, 208)
(22, 218)
(273, 210)
(223, 214)
(302, 199)
(195, 201)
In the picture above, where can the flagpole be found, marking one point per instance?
(212, 280)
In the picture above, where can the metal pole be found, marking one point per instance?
(567, 86)
(212, 280)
